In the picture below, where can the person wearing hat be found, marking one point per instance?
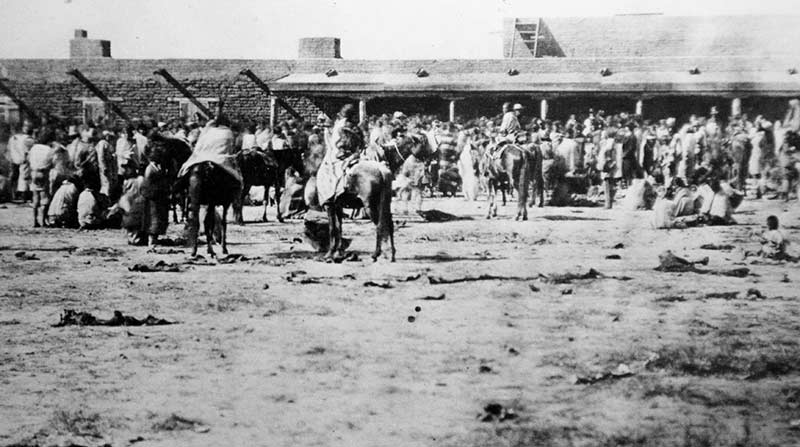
(510, 125)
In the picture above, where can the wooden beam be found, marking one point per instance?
(174, 82)
(97, 92)
(261, 84)
(20, 103)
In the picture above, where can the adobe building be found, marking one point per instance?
(653, 65)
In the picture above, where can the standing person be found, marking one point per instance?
(263, 135)
(141, 145)
(630, 162)
(609, 163)
(792, 119)
(18, 146)
(155, 189)
(40, 159)
(85, 159)
(125, 153)
(107, 165)
(248, 137)
(62, 162)
(569, 151)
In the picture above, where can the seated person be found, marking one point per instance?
(91, 210)
(716, 207)
(773, 242)
(683, 198)
(63, 211)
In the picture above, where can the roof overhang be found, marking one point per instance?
(652, 83)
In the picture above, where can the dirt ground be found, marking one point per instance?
(285, 350)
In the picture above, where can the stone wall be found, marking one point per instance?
(155, 98)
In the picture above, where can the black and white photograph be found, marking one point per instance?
(496, 223)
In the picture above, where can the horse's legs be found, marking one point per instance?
(391, 236)
(266, 203)
(417, 192)
(490, 190)
(331, 231)
(208, 223)
(238, 206)
(224, 225)
(278, 199)
(339, 230)
(174, 205)
(194, 214)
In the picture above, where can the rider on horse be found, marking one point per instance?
(510, 129)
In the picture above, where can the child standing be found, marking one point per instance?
(40, 160)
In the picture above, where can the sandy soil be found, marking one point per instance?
(258, 359)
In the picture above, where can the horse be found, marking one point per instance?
(512, 165)
(411, 153)
(366, 184)
(258, 169)
(176, 151)
(210, 185)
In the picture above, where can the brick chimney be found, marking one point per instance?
(320, 48)
(82, 47)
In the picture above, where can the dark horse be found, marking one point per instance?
(177, 151)
(515, 165)
(367, 184)
(210, 185)
(259, 168)
(268, 169)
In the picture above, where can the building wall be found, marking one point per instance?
(151, 98)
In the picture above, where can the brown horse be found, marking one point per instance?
(513, 165)
(258, 169)
(366, 184)
(210, 185)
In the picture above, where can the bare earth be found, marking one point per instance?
(259, 359)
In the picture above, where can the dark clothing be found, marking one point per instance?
(155, 189)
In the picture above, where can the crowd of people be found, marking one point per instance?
(75, 174)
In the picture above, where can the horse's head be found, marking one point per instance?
(791, 140)
(312, 158)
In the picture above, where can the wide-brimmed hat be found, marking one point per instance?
(518, 107)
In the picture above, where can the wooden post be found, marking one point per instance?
(640, 108)
(736, 107)
(273, 112)
(452, 110)
(362, 110)
(543, 109)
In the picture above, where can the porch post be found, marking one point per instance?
(362, 110)
(543, 109)
(452, 110)
(273, 112)
(736, 107)
(640, 107)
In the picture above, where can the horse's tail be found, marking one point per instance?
(383, 218)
